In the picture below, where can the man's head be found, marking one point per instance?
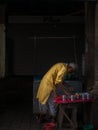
(72, 67)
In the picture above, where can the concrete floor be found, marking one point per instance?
(19, 116)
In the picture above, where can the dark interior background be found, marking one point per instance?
(33, 48)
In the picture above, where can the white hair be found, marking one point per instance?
(73, 65)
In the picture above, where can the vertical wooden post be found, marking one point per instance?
(2, 42)
(89, 43)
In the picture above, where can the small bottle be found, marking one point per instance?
(77, 95)
(72, 97)
(63, 97)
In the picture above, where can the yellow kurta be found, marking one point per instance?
(50, 81)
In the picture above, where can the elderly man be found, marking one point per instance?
(47, 88)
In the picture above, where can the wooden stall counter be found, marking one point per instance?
(72, 104)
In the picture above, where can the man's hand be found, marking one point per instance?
(71, 88)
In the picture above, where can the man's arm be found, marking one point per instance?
(69, 86)
(62, 87)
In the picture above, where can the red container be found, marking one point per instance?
(50, 126)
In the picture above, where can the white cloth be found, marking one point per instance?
(49, 107)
